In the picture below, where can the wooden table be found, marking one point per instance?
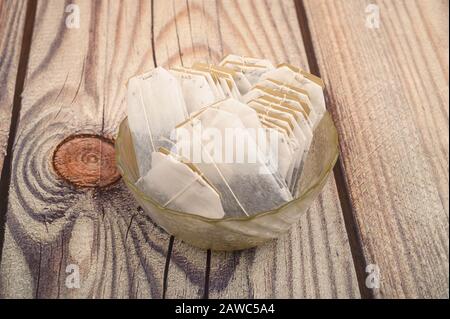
(383, 215)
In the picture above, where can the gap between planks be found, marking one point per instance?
(359, 261)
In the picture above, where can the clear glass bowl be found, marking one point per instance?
(242, 232)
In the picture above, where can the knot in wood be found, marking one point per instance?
(86, 161)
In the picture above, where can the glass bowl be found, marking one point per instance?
(235, 233)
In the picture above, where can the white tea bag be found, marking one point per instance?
(251, 68)
(276, 97)
(246, 114)
(300, 128)
(291, 108)
(242, 82)
(196, 91)
(252, 73)
(217, 90)
(247, 61)
(299, 94)
(155, 107)
(175, 185)
(139, 127)
(293, 159)
(223, 77)
(283, 160)
(237, 83)
(279, 153)
(239, 78)
(279, 113)
(246, 184)
(310, 83)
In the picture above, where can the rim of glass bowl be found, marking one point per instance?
(145, 197)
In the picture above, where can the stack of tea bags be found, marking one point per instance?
(223, 140)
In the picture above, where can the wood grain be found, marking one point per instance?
(314, 259)
(119, 252)
(388, 90)
(75, 84)
(176, 44)
(12, 20)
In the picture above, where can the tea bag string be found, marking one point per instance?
(242, 59)
(228, 186)
(225, 181)
(185, 188)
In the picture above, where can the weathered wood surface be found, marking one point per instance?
(75, 84)
(119, 252)
(12, 21)
(388, 91)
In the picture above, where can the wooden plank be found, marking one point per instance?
(314, 259)
(12, 20)
(308, 262)
(388, 89)
(119, 251)
(76, 84)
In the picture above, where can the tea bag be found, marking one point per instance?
(284, 99)
(279, 153)
(299, 94)
(242, 83)
(197, 92)
(217, 90)
(282, 110)
(224, 78)
(246, 114)
(296, 145)
(278, 114)
(283, 159)
(234, 79)
(293, 76)
(247, 61)
(252, 73)
(176, 185)
(224, 84)
(239, 78)
(155, 107)
(299, 115)
(264, 137)
(300, 129)
(245, 182)
(238, 134)
(251, 68)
